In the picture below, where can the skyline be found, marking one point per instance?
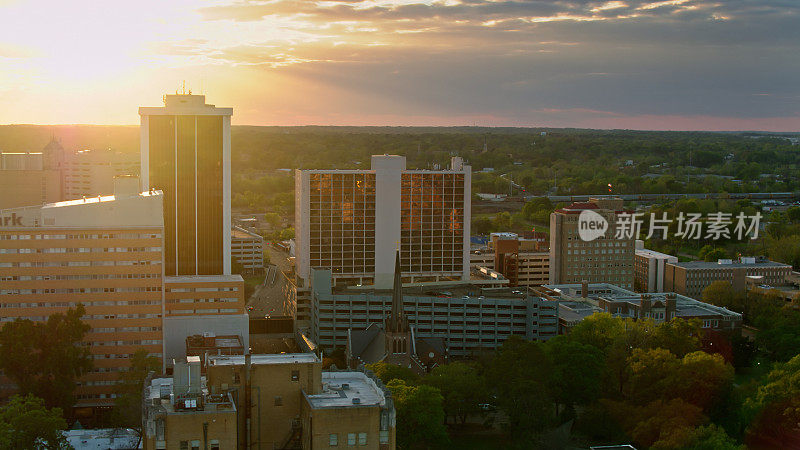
(661, 65)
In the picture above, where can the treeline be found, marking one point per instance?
(610, 381)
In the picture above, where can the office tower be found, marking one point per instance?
(353, 221)
(186, 153)
(102, 252)
(604, 259)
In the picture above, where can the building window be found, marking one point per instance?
(214, 443)
(362, 439)
(295, 375)
(184, 445)
(351, 439)
(196, 444)
(384, 436)
(236, 379)
(333, 440)
(278, 400)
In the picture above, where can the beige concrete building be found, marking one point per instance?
(248, 249)
(102, 252)
(89, 173)
(604, 259)
(26, 181)
(690, 278)
(649, 267)
(181, 413)
(268, 401)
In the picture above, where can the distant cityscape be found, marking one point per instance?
(384, 267)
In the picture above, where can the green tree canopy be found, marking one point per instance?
(25, 423)
(45, 358)
(461, 386)
(388, 372)
(420, 415)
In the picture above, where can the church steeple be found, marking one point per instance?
(397, 320)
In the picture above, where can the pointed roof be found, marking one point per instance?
(397, 320)
(397, 289)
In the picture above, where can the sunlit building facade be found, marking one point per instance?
(102, 252)
(353, 221)
(185, 153)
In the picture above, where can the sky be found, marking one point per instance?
(632, 64)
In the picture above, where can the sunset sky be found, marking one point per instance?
(676, 64)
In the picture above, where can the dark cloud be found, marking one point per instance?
(516, 58)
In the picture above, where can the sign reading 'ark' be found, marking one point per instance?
(11, 221)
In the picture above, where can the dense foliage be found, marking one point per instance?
(46, 358)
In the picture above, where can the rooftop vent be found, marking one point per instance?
(356, 401)
(345, 386)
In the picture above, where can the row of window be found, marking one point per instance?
(78, 263)
(101, 276)
(13, 237)
(74, 304)
(81, 290)
(78, 250)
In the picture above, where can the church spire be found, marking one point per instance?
(397, 321)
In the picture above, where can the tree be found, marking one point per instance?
(701, 378)
(45, 358)
(481, 225)
(461, 386)
(420, 415)
(778, 333)
(678, 336)
(576, 371)
(775, 408)
(518, 374)
(273, 219)
(128, 404)
(651, 371)
(710, 437)
(25, 422)
(388, 372)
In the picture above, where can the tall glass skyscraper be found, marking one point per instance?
(186, 153)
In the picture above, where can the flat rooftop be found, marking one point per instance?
(459, 290)
(347, 390)
(574, 307)
(161, 388)
(264, 359)
(203, 279)
(733, 264)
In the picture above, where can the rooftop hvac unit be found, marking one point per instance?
(356, 401)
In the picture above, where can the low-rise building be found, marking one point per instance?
(649, 268)
(690, 278)
(89, 173)
(522, 260)
(578, 301)
(266, 401)
(248, 249)
(469, 317)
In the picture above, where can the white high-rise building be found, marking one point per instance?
(186, 153)
(353, 221)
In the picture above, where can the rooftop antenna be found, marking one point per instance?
(183, 88)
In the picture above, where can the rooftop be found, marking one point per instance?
(203, 279)
(160, 394)
(573, 307)
(726, 264)
(102, 439)
(347, 390)
(262, 359)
